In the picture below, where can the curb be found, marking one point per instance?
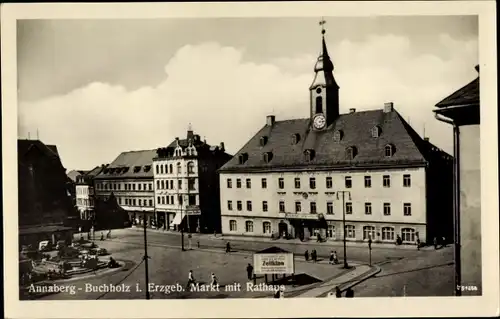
(343, 287)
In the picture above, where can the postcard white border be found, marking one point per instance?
(486, 305)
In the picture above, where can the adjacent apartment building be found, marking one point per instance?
(296, 178)
(461, 110)
(187, 185)
(85, 194)
(130, 179)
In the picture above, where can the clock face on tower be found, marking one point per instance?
(319, 121)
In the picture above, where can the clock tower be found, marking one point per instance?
(324, 91)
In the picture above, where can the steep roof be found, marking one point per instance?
(469, 94)
(73, 174)
(132, 164)
(355, 131)
(24, 146)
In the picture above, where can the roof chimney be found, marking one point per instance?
(426, 139)
(388, 107)
(353, 110)
(270, 119)
(222, 148)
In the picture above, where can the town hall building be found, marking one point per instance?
(297, 178)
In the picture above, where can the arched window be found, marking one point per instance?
(162, 184)
(266, 227)
(161, 169)
(171, 168)
(389, 150)
(190, 168)
(295, 138)
(319, 104)
(337, 136)
(368, 232)
(157, 184)
(249, 226)
(388, 233)
(408, 235)
(179, 168)
(157, 169)
(232, 225)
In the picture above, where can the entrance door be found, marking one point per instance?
(331, 232)
(283, 229)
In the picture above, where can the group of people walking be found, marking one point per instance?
(349, 293)
(191, 281)
(314, 256)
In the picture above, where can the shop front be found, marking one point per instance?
(308, 226)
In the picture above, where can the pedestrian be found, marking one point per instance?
(331, 258)
(418, 244)
(282, 292)
(306, 255)
(249, 271)
(435, 243)
(191, 280)
(444, 242)
(349, 293)
(228, 247)
(102, 236)
(214, 280)
(335, 258)
(338, 292)
(314, 255)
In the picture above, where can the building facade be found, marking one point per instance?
(187, 185)
(130, 179)
(296, 178)
(85, 194)
(462, 110)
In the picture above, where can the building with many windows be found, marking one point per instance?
(187, 185)
(85, 195)
(295, 178)
(130, 179)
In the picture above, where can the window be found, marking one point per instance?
(168, 200)
(179, 184)
(407, 209)
(368, 232)
(249, 226)
(281, 183)
(348, 182)
(368, 181)
(192, 200)
(389, 150)
(297, 182)
(264, 183)
(191, 184)
(282, 206)
(249, 183)
(331, 231)
(298, 207)
(375, 131)
(350, 152)
(163, 200)
(368, 208)
(249, 205)
(190, 168)
(126, 200)
(150, 186)
(387, 209)
(348, 208)
(319, 104)
(238, 183)
(171, 184)
(144, 186)
(329, 208)
(171, 169)
(313, 207)
(264, 206)
(158, 200)
(138, 187)
(408, 235)
(161, 169)
(180, 200)
(309, 155)
(350, 231)
(229, 183)
(232, 225)
(239, 205)
(337, 136)
(140, 202)
(150, 202)
(179, 168)
(162, 184)
(266, 227)
(386, 181)
(388, 233)
(329, 183)
(263, 140)
(133, 202)
(157, 169)
(406, 180)
(295, 138)
(312, 183)
(133, 187)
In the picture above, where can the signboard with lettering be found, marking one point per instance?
(277, 263)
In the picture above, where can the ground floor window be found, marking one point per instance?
(368, 232)
(408, 234)
(249, 226)
(350, 231)
(387, 233)
(266, 227)
(331, 231)
(232, 225)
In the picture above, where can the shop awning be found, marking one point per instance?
(177, 219)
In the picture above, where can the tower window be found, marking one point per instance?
(319, 104)
(318, 90)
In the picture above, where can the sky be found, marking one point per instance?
(96, 88)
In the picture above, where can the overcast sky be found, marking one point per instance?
(96, 88)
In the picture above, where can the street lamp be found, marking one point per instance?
(146, 254)
(343, 222)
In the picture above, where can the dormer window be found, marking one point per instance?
(263, 140)
(267, 156)
(137, 169)
(376, 131)
(389, 150)
(309, 155)
(337, 136)
(351, 152)
(147, 168)
(106, 171)
(125, 169)
(295, 138)
(242, 158)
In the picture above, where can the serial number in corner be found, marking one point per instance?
(467, 288)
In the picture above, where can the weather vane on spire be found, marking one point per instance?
(322, 24)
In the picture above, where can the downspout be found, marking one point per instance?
(456, 201)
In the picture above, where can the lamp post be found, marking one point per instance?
(146, 255)
(343, 222)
